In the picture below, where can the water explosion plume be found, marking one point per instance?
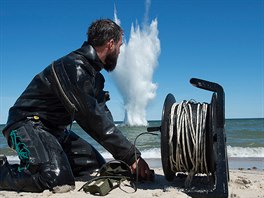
(136, 63)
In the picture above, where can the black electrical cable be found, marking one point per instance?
(144, 133)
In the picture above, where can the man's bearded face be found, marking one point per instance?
(111, 60)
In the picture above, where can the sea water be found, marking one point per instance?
(245, 140)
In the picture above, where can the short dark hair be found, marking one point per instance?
(103, 30)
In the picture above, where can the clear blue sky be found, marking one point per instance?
(216, 40)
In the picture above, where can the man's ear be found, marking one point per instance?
(111, 44)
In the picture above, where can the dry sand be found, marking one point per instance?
(243, 183)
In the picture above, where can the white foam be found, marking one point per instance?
(231, 152)
(13, 159)
(146, 154)
(156, 153)
(245, 151)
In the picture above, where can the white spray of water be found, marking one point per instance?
(137, 61)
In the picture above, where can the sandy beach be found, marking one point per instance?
(243, 183)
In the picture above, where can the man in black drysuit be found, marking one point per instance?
(70, 89)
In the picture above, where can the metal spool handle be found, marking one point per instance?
(218, 89)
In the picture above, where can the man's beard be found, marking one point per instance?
(110, 61)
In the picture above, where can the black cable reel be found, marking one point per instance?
(193, 140)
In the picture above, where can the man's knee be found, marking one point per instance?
(56, 171)
(57, 175)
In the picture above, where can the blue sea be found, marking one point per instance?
(245, 141)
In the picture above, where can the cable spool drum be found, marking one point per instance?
(186, 138)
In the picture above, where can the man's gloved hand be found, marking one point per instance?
(144, 172)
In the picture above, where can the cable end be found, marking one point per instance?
(151, 129)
